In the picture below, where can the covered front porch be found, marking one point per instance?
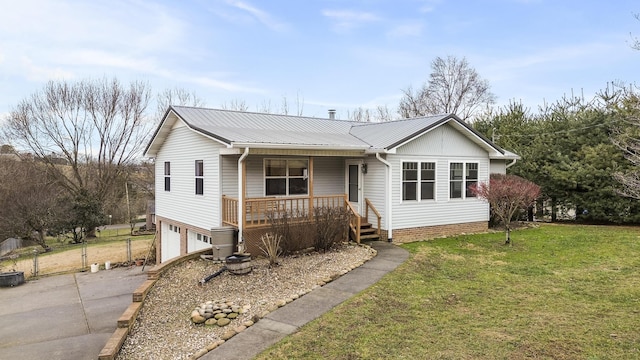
(259, 211)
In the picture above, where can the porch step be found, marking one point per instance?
(367, 232)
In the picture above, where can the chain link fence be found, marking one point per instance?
(84, 257)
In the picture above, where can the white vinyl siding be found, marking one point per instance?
(375, 188)
(498, 167)
(328, 176)
(443, 141)
(182, 148)
(230, 175)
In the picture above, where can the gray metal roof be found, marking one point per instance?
(237, 128)
(256, 128)
(387, 135)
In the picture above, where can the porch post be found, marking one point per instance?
(310, 187)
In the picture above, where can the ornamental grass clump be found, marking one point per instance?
(271, 248)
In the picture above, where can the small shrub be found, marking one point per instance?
(271, 247)
(330, 225)
(289, 227)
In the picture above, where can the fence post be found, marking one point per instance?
(129, 250)
(84, 255)
(35, 262)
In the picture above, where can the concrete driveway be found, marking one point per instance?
(65, 316)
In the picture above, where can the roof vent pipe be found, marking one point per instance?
(332, 114)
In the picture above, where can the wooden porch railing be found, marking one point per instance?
(368, 206)
(258, 210)
(230, 211)
(355, 220)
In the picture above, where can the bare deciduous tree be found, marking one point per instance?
(176, 96)
(627, 138)
(453, 87)
(380, 114)
(85, 132)
(237, 105)
(32, 203)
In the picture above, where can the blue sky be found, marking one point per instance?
(326, 53)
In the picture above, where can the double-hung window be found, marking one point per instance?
(199, 177)
(167, 176)
(418, 180)
(409, 181)
(427, 180)
(461, 177)
(286, 177)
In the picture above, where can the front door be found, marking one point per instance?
(354, 184)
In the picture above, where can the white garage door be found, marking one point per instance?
(197, 241)
(170, 242)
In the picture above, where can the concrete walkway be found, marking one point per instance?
(289, 318)
(65, 316)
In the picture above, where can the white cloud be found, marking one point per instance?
(260, 15)
(345, 20)
(42, 73)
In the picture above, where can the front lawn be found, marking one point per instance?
(560, 292)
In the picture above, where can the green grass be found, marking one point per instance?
(560, 292)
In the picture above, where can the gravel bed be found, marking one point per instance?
(164, 330)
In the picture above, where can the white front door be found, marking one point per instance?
(353, 184)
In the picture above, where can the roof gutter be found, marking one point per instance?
(513, 162)
(388, 211)
(241, 192)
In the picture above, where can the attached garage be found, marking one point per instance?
(170, 242)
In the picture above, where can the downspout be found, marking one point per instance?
(511, 164)
(388, 197)
(241, 199)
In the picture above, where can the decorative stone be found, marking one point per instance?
(211, 322)
(240, 329)
(248, 323)
(223, 322)
(214, 345)
(198, 319)
(228, 335)
(232, 315)
(281, 303)
(200, 353)
(220, 316)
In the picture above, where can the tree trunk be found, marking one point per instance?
(508, 236)
(554, 215)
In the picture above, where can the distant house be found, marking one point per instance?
(219, 168)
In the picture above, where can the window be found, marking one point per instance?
(167, 176)
(471, 177)
(199, 177)
(427, 180)
(462, 176)
(286, 177)
(455, 180)
(425, 177)
(409, 181)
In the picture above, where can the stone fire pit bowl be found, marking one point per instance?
(12, 278)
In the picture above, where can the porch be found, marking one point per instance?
(258, 211)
